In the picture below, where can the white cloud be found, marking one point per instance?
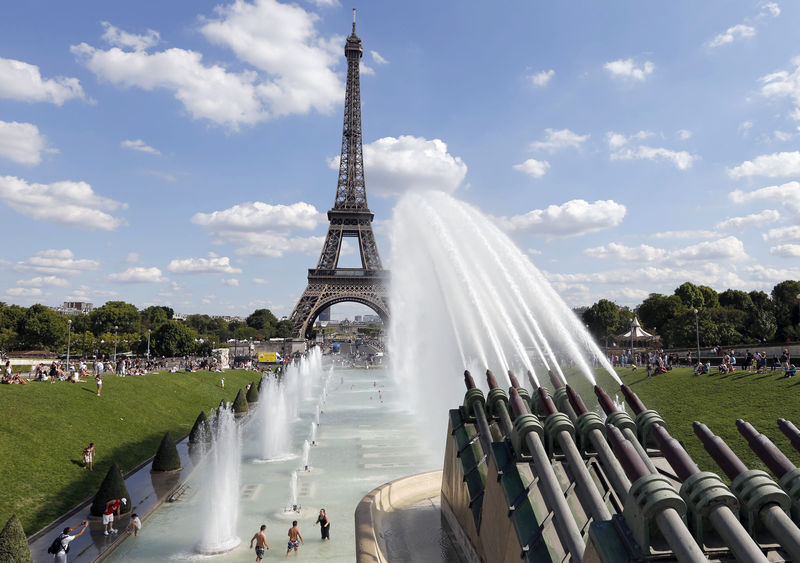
(683, 134)
(534, 251)
(784, 84)
(753, 220)
(699, 233)
(138, 275)
(325, 3)
(782, 136)
(573, 218)
(786, 250)
(541, 78)
(258, 215)
(139, 145)
(534, 168)
(745, 127)
(271, 244)
(44, 281)
(24, 291)
(230, 282)
(377, 58)
(617, 140)
(212, 265)
(282, 41)
(23, 81)
(728, 248)
(559, 139)
(364, 69)
(626, 68)
(118, 38)
(788, 194)
(73, 204)
(56, 262)
(396, 165)
(22, 142)
(774, 165)
(641, 253)
(791, 233)
(682, 160)
(132, 257)
(770, 9)
(739, 31)
(771, 275)
(259, 281)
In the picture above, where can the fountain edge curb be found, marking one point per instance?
(386, 498)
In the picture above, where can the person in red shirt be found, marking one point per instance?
(112, 507)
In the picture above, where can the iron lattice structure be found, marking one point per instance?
(350, 216)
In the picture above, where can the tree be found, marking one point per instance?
(41, 327)
(167, 457)
(284, 329)
(690, 295)
(252, 394)
(10, 315)
(173, 338)
(113, 486)
(787, 308)
(240, 405)
(736, 299)
(264, 322)
(155, 315)
(13, 543)
(602, 318)
(658, 310)
(710, 297)
(201, 433)
(115, 313)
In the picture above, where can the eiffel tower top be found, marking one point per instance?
(351, 191)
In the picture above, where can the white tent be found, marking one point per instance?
(636, 332)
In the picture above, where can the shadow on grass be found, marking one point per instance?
(92, 391)
(766, 376)
(645, 378)
(77, 462)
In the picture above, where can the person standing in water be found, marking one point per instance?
(324, 524)
(261, 543)
(295, 539)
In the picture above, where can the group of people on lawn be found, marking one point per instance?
(753, 363)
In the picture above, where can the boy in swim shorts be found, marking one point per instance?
(295, 539)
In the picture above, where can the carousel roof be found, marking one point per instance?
(636, 332)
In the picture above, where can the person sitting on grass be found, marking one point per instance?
(10, 377)
(700, 369)
(791, 371)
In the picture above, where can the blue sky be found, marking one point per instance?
(181, 153)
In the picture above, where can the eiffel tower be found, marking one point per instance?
(350, 216)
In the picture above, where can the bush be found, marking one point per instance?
(167, 458)
(240, 405)
(113, 486)
(201, 433)
(13, 543)
(252, 393)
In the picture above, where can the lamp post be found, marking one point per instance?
(697, 333)
(115, 346)
(148, 344)
(69, 341)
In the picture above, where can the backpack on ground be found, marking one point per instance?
(57, 546)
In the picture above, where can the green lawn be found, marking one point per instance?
(717, 401)
(44, 428)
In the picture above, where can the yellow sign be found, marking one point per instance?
(267, 357)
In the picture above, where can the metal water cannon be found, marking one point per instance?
(764, 505)
(560, 395)
(523, 393)
(585, 422)
(497, 404)
(622, 420)
(534, 403)
(474, 410)
(645, 418)
(790, 431)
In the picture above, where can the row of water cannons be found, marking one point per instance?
(754, 507)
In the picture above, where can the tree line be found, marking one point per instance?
(41, 328)
(723, 319)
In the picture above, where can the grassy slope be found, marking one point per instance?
(45, 427)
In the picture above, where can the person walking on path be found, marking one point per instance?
(88, 456)
(65, 539)
(112, 507)
(261, 543)
(324, 524)
(99, 379)
(295, 539)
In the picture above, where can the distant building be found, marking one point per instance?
(325, 315)
(357, 318)
(75, 308)
(372, 318)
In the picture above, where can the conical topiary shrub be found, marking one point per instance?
(240, 405)
(113, 486)
(200, 433)
(252, 393)
(13, 543)
(167, 458)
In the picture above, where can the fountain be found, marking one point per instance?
(304, 459)
(313, 435)
(220, 492)
(273, 421)
(292, 507)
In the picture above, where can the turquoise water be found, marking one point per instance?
(364, 440)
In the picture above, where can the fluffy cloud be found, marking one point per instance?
(774, 165)
(768, 275)
(271, 244)
(44, 281)
(573, 218)
(626, 68)
(258, 216)
(377, 58)
(138, 275)
(682, 160)
(701, 233)
(770, 9)
(655, 278)
(139, 145)
(212, 265)
(230, 282)
(784, 84)
(21, 142)
(617, 140)
(788, 194)
(534, 168)
(684, 134)
(56, 262)
(786, 250)
(728, 248)
(23, 81)
(73, 204)
(396, 165)
(791, 233)
(118, 38)
(641, 253)
(753, 220)
(559, 139)
(739, 31)
(542, 78)
(24, 291)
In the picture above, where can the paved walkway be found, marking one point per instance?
(147, 491)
